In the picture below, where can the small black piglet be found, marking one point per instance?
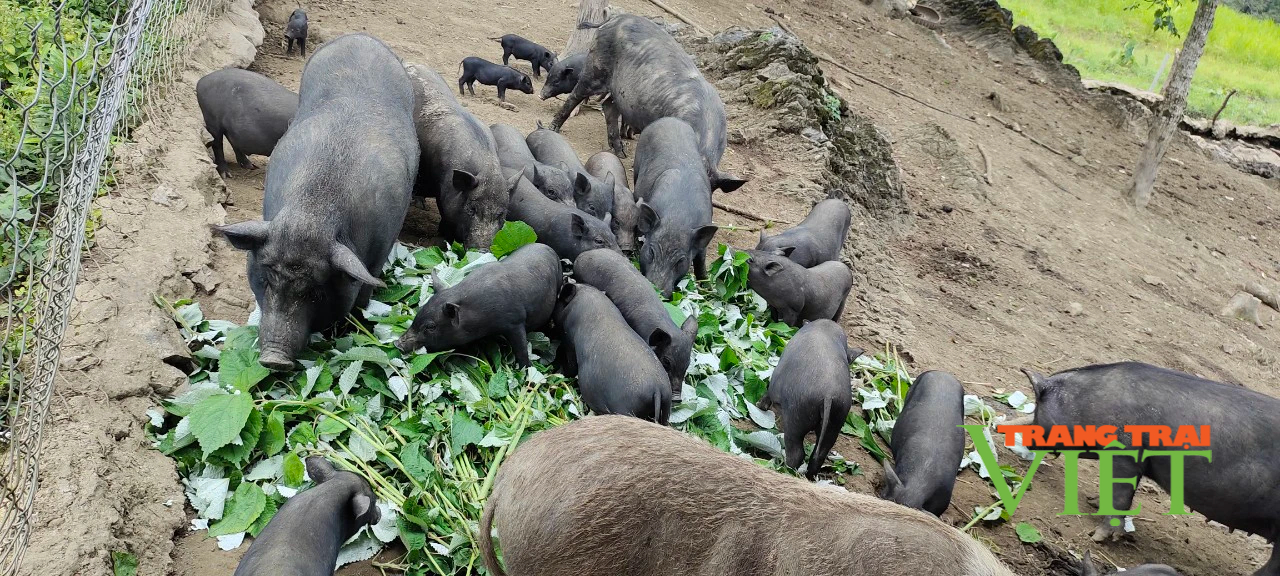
(927, 444)
(476, 69)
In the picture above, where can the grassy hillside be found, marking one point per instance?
(1108, 42)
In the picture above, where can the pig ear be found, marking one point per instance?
(659, 340)
(1036, 379)
(762, 239)
(362, 506)
(581, 187)
(891, 481)
(726, 182)
(249, 235)
(319, 469)
(772, 267)
(690, 327)
(1086, 565)
(648, 220)
(702, 236)
(568, 71)
(609, 181)
(578, 226)
(463, 180)
(436, 283)
(784, 251)
(514, 181)
(452, 312)
(567, 292)
(345, 260)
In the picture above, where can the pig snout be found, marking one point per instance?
(408, 342)
(280, 338)
(275, 359)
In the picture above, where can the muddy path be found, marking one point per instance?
(1045, 266)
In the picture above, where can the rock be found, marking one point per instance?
(814, 135)
(508, 106)
(1243, 306)
(1074, 309)
(1080, 161)
(1153, 280)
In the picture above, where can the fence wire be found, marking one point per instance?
(75, 76)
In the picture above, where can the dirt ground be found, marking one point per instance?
(1045, 267)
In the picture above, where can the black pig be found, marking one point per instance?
(675, 209)
(295, 30)
(506, 298)
(648, 77)
(337, 190)
(522, 49)
(796, 293)
(591, 195)
(625, 212)
(567, 230)
(927, 444)
(612, 273)
(476, 69)
(1243, 425)
(250, 110)
(514, 154)
(460, 165)
(305, 535)
(811, 388)
(616, 369)
(563, 76)
(817, 239)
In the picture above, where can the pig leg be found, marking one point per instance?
(362, 299)
(765, 402)
(506, 57)
(1121, 498)
(302, 43)
(471, 86)
(502, 92)
(580, 93)
(839, 312)
(462, 80)
(793, 441)
(289, 51)
(219, 156)
(243, 159)
(613, 126)
(519, 341)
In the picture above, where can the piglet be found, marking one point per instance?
(811, 388)
(796, 293)
(304, 536)
(927, 444)
(514, 155)
(639, 304)
(591, 195)
(568, 230)
(476, 69)
(506, 298)
(1242, 422)
(295, 30)
(250, 110)
(616, 369)
(625, 212)
(563, 76)
(817, 239)
(608, 495)
(537, 56)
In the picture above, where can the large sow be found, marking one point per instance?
(611, 495)
(337, 191)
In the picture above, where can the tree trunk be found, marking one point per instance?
(1170, 111)
(589, 12)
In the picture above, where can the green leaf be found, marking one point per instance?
(1028, 533)
(243, 508)
(294, 470)
(463, 432)
(428, 258)
(217, 420)
(677, 315)
(242, 338)
(238, 454)
(412, 536)
(240, 369)
(330, 427)
(754, 387)
(124, 564)
(267, 514)
(393, 293)
(364, 354)
(512, 236)
(415, 464)
(272, 440)
(421, 361)
(498, 386)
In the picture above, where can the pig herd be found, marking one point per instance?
(614, 494)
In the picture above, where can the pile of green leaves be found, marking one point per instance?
(429, 430)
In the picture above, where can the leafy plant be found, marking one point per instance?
(429, 431)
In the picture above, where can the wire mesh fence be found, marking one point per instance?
(75, 77)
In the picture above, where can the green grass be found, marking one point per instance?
(1107, 42)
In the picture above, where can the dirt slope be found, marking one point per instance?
(976, 278)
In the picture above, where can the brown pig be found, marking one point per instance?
(610, 495)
